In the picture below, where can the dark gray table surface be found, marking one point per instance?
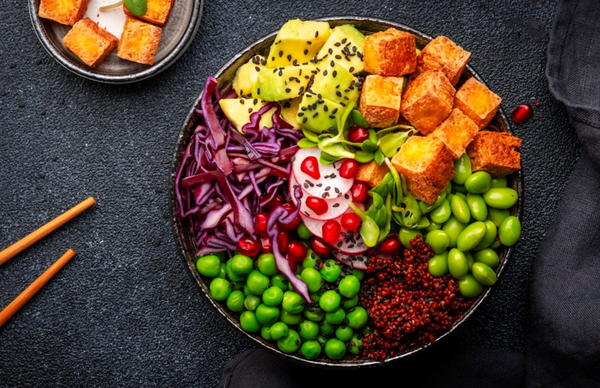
(125, 312)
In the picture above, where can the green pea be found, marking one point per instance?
(220, 289)
(241, 265)
(257, 282)
(469, 287)
(357, 318)
(499, 182)
(293, 302)
(331, 270)
(314, 297)
(308, 330)
(439, 241)
(279, 330)
(280, 281)
(438, 265)
(223, 257)
(359, 273)
(303, 231)
(406, 235)
(441, 213)
(335, 317)
(251, 302)
(246, 290)
(356, 344)
(479, 182)
(272, 296)
(234, 277)
(315, 314)
(311, 350)
(330, 301)
(501, 197)
(326, 328)
(433, 226)
(349, 303)
(349, 286)
(209, 266)
(335, 349)
(460, 210)
(235, 301)
(477, 206)
(459, 188)
(266, 264)
(222, 271)
(510, 231)
(484, 274)
(344, 333)
(462, 169)
(289, 318)
(290, 343)
(471, 236)
(470, 260)
(490, 236)
(312, 278)
(453, 229)
(311, 259)
(487, 256)
(457, 263)
(265, 332)
(248, 322)
(322, 340)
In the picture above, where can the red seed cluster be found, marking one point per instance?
(408, 307)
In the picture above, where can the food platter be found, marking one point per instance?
(187, 246)
(177, 35)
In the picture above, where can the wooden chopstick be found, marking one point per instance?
(45, 230)
(30, 291)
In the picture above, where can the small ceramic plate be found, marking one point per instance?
(177, 35)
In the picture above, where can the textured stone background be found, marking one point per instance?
(125, 312)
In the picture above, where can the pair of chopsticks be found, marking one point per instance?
(28, 241)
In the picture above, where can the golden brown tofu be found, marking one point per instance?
(456, 132)
(427, 166)
(157, 13)
(495, 153)
(90, 42)
(444, 55)
(390, 52)
(380, 100)
(66, 12)
(427, 100)
(371, 173)
(139, 41)
(477, 101)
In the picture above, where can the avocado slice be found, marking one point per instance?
(345, 46)
(318, 114)
(282, 83)
(297, 42)
(247, 75)
(238, 111)
(335, 83)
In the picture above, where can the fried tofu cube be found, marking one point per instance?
(427, 166)
(371, 173)
(495, 153)
(380, 100)
(139, 41)
(428, 100)
(90, 42)
(390, 52)
(66, 12)
(456, 132)
(477, 101)
(157, 13)
(444, 55)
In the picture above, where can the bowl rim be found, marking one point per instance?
(85, 72)
(517, 183)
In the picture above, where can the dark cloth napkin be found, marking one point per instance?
(564, 344)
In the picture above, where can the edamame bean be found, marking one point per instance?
(209, 266)
(501, 197)
(425, 208)
(357, 318)
(235, 301)
(248, 322)
(490, 236)
(457, 263)
(289, 318)
(336, 317)
(279, 330)
(496, 244)
(498, 215)
(290, 343)
(462, 169)
(241, 265)
(344, 333)
(470, 260)
(499, 182)
(349, 286)
(477, 206)
(251, 302)
(458, 188)
(335, 349)
(293, 302)
(433, 226)
(510, 231)
(220, 289)
(257, 282)
(308, 330)
(311, 349)
(487, 256)
(330, 301)
(272, 296)
(406, 235)
(460, 210)
(442, 213)
(438, 265)
(479, 182)
(312, 278)
(461, 195)
(484, 274)
(439, 241)
(303, 231)
(469, 287)
(453, 229)
(266, 264)
(471, 236)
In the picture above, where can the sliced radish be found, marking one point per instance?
(329, 185)
(335, 206)
(359, 261)
(351, 243)
(316, 226)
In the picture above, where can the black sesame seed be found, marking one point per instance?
(351, 71)
(338, 57)
(317, 34)
(304, 120)
(289, 57)
(242, 101)
(257, 68)
(337, 44)
(308, 42)
(306, 52)
(334, 74)
(325, 72)
(330, 51)
(338, 93)
(300, 114)
(315, 115)
(280, 54)
(287, 90)
(301, 89)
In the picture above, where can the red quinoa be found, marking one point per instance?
(408, 307)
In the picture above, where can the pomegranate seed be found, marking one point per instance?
(282, 240)
(350, 221)
(319, 246)
(248, 246)
(359, 192)
(349, 169)
(296, 251)
(293, 264)
(275, 201)
(260, 224)
(310, 166)
(331, 231)
(295, 222)
(389, 246)
(357, 134)
(265, 245)
(318, 205)
(522, 113)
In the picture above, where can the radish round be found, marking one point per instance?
(351, 243)
(329, 185)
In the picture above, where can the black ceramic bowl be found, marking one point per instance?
(224, 76)
(176, 37)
